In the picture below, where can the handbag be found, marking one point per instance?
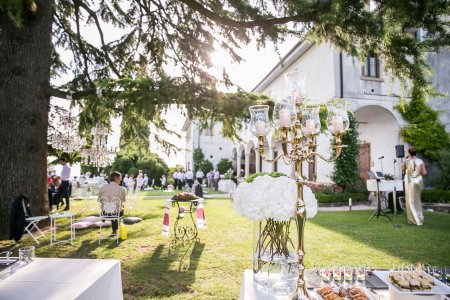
(123, 231)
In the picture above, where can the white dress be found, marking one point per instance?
(413, 189)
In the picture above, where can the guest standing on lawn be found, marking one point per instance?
(111, 191)
(190, 178)
(414, 170)
(199, 175)
(63, 189)
(163, 181)
(216, 180)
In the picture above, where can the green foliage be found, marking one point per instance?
(273, 174)
(435, 196)
(197, 159)
(342, 197)
(130, 162)
(124, 75)
(200, 163)
(18, 10)
(424, 131)
(224, 165)
(346, 167)
(206, 166)
(443, 180)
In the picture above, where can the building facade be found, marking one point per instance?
(372, 95)
(210, 140)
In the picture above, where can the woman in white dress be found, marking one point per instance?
(414, 170)
(131, 183)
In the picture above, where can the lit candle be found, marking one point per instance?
(338, 124)
(310, 126)
(285, 118)
(298, 98)
(260, 128)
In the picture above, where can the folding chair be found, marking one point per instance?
(32, 223)
(109, 211)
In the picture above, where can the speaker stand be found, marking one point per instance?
(379, 212)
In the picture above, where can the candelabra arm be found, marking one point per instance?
(338, 153)
(261, 151)
(284, 140)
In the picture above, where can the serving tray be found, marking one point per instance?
(439, 287)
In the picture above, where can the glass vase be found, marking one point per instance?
(275, 261)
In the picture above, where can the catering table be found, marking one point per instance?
(227, 186)
(248, 292)
(60, 278)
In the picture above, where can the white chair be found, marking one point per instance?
(32, 224)
(109, 211)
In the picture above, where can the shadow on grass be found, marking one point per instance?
(167, 272)
(428, 243)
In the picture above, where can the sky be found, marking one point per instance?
(247, 74)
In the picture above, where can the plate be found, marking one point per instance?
(439, 288)
(368, 293)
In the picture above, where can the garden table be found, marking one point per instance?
(60, 215)
(60, 278)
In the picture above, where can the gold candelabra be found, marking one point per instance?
(298, 127)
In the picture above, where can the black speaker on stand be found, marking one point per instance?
(400, 151)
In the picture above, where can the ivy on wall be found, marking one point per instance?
(346, 167)
(424, 131)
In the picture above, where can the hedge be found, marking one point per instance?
(342, 197)
(436, 196)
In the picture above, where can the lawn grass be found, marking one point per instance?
(213, 267)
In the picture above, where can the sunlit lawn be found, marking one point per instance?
(213, 267)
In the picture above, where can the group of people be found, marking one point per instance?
(59, 187)
(183, 178)
(138, 183)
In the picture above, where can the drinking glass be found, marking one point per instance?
(337, 273)
(360, 274)
(348, 274)
(325, 274)
(26, 254)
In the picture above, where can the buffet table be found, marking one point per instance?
(226, 186)
(59, 278)
(248, 292)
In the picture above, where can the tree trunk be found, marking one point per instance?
(25, 61)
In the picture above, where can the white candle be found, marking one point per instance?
(298, 98)
(310, 126)
(338, 124)
(285, 118)
(260, 128)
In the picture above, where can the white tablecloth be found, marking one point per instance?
(248, 292)
(59, 278)
(227, 186)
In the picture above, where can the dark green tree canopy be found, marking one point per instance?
(120, 50)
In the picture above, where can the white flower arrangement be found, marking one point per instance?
(271, 198)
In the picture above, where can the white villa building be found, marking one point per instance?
(210, 140)
(371, 94)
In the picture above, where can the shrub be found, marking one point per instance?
(343, 197)
(224, 165)
(437, 196)
(273, 174)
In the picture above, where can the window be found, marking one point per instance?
(371, 66)
(208, 131)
